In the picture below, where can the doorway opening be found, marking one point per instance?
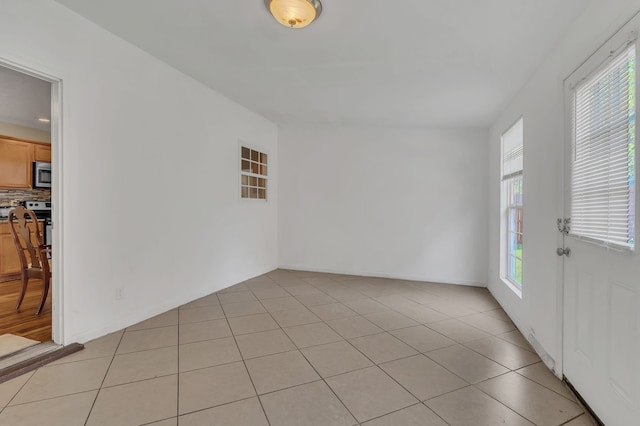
(29, 176)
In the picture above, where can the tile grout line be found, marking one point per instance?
(511, 370)
(419, 403)
(424, 354)
(103, 379)
(544, 386)
(493, 360)
(205, 409)
(377, 365)
(264, 412)
(539, 384)
(501, 403)
(328, 386)
(577, 417)
(370, 360)
(343, 284)
(395, 381)
(21, 387)
(321, 379)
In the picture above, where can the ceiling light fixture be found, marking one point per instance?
(294, 13)
(44, 120)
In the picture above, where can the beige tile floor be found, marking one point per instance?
(303, 348)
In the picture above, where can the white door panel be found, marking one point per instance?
(602, 332)
(601, 300)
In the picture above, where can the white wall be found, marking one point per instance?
(402, 203)
(16, 131)
(538, 314)
(149, 172)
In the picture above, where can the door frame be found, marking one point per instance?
(57, 271)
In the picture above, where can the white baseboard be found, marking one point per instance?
(432, 279)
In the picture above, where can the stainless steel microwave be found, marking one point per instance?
(41, 174)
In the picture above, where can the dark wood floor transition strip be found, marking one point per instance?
(38, 361)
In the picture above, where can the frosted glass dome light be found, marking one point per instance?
(294, 13)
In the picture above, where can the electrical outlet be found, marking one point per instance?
(119, 293)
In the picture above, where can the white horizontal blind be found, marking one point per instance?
(603, 172)
(512, 150)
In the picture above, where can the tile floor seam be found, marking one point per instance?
(62, 362)
(139, 381)
(93, 404)
(491, 359)
(354, 337)
(383, 370)
(503, 404)
(454, 373)
(366, 297)
(533, 381)
(188, 343)
(143, 350)
(544, 386)
(400, 384)
(214, 406)
(157, 421)
(518, 330)
(418, 403)
(264, 412)
(51, 398)
(196, 322)
(345, 372)
(494, 377)
(319, 379)
(19, 390)
(456, 319)
(449, 371)
(150, 328)
(577, 401)
(186, 308)
(424, 325)
(330, 388)
(469, 385)
(577, 417)
(451, 338)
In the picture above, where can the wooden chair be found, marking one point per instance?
(28, 240)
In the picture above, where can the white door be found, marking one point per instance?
(601, 344)
(601, 356)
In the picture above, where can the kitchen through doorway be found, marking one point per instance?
(29, 130)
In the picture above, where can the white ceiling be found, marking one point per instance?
(364, 62)
(24, 99)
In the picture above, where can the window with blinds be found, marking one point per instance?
(512, 201)
(603, 152)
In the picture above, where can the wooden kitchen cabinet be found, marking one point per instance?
(9, 260)
(15, 163)
(42, 153)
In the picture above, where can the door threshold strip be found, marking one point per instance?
(588, 409)
(34, 357)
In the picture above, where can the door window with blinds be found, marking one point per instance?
(512, 203)
(603, 127)
(253, 174)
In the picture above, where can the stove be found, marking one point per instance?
(42, 209)
(4, 211)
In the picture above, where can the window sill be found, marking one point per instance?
(512, 287)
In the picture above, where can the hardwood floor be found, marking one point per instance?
(24, 322)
